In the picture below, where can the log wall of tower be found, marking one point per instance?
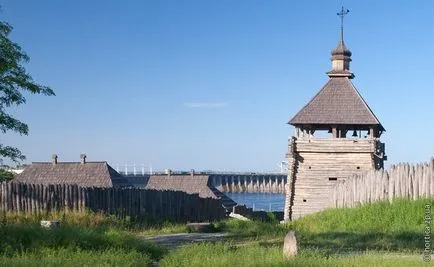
(317, 164)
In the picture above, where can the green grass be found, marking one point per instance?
(93, 219)
(220, 254)
(402, 215)
(27, 244)
(163, 228)
(24, 238)
(380, 234)
(70, 257)
(84, 238)
(381, 226)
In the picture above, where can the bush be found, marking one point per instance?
(6, 175)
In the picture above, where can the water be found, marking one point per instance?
(260, 201)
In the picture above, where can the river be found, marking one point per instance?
(260, 201)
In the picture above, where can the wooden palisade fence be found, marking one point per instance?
(401, 181)
(137, 203)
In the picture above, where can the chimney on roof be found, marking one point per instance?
(54, 158)
(192, 172)
(83, 158)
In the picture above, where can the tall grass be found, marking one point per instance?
(71, 257)
(85, 238)
(227, 255)
(91, 219)
(380, 234)
(254, 229)
(402, 215)
(207, 254)
(19, 238)
(387, 226)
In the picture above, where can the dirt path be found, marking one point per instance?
(174, 241)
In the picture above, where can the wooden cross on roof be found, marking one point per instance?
(342, 14)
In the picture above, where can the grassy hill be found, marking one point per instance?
(380, 234)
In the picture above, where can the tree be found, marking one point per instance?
(14, 80)
(6, 175)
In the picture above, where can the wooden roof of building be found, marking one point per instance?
(197, 184)
(89, 174)
(337, 103)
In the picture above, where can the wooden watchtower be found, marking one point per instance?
(336, 135)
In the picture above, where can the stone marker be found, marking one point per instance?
(290, 245)
(50, 224)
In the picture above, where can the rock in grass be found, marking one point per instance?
(50, 224)
(290, 245)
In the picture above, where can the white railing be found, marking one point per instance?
(142, 169)
(271, 207)
(133, 169)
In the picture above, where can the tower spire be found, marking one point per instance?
(342, 15)
(341, 55)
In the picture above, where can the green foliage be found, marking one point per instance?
(272, 217)
(164, 228)
(33, 238)
(380, 226)
(254, 229)
(84, 239)
(380, 234)
(401, 215)
(71, 257)
(14, 80)
(6, 175)
(221, 254)
(90, 219)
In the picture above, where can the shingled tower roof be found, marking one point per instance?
(338, 102)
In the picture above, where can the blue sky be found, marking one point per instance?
(211, 84)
